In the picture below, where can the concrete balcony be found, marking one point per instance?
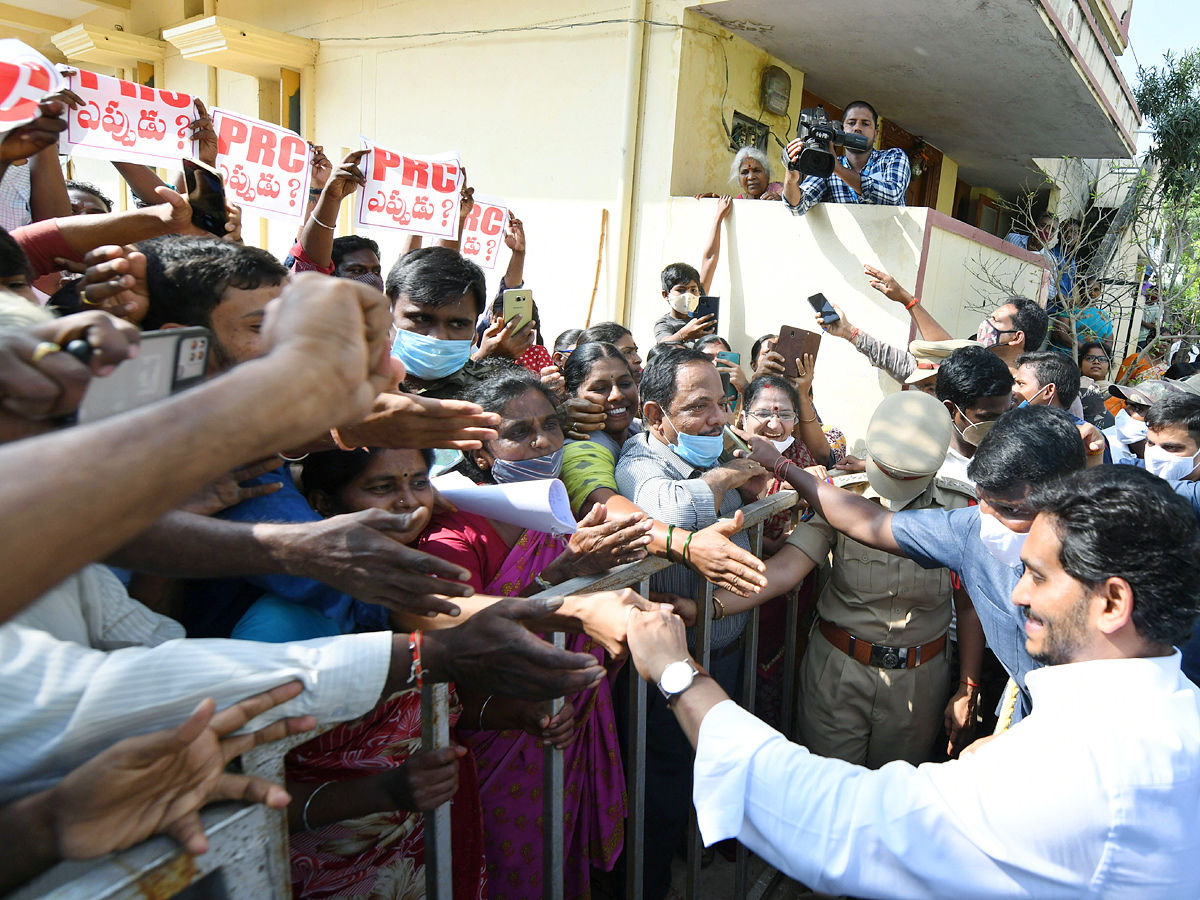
(991, 85)
(772, 261)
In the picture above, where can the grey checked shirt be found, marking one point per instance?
(673, 492)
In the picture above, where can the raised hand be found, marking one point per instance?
(347, 177)
(514, 233)
(229, 490)
(202, 132)
(411, 422)
(581, 417)
(887, 285)
(115, 281)
(33, 137)
(715, 556)
(321, 167)
(697, 328)
(602, 542)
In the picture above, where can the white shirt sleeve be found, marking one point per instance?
(999, 823)
(61, 703)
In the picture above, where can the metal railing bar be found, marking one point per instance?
(553, 774)
(749, 689)
(704, 603)
(635, 780)
(435, 733)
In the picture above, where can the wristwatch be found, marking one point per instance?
(677, 678)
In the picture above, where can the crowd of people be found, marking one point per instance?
(993, 696)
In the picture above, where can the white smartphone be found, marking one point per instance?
(167, 362)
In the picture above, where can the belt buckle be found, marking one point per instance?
(889, 657)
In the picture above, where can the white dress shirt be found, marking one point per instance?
(1095, 794)
(62, 702)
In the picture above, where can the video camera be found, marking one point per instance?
(815, 129)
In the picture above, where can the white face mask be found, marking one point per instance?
(683, 303)
(780, 446)
(1129, 430)
(1001, 541)
(1168, 466)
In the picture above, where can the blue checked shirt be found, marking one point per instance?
(884, 181)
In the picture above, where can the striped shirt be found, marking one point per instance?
(63, 699)
(885, 180)
(672, 491)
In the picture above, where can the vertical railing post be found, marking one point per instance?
(435, 733)
(552, 806)
(704, 602)
(741, 881)
(635, 779)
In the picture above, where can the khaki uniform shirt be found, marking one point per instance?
(878, 597)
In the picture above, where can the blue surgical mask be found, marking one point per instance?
(507, 471)
(429, 358)
(700, 450)
(1025, 403)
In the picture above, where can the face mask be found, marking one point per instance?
(683, 303)
(780, 446)
(988, 334)
(370, 279)
(1129, 430)
(975, 431)
(1168, 466)
(507, 471)
(1025, 403)
(429, 358)
(1001, 541)
(700, 450)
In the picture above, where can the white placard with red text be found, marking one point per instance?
(25, 78)
(415, 194)
(483, 231)
(128, 122)
(266, 167)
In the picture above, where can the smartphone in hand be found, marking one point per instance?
(206, 194)
(708, 306)
(518, 304)
(824, 309)
(793, 344)
(736, 359)
(168, 361)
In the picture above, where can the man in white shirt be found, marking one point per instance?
(1094, 794)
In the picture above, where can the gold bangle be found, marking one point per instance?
(813, 419)
(720, 608)
(44, 349)
(337, 440)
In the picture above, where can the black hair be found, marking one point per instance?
(1123, 522)
(853, 103)
(1180, 370)
(568, 339)
(712, 339)
(778, 382)
(186, 277)
(331, 471)
(678, 273)
(972, 372)
(1031, 319)
(756, 346)
(605, 332)
(502, 386)
(13, 260)
(435, 276)
(73, 185)
(658, 378)
(579, 364)
(1031, 445)
(350, 243)
(1058, 369)
(1176, 408)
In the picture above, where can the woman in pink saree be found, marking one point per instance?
(508, 560)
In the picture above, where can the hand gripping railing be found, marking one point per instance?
(435, 717)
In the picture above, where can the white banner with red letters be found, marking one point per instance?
(483, 231)
(416, 194)
(127, 122)
(25, 78)
(266, 167)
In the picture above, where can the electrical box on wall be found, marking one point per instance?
(745, 132)
(776, 90)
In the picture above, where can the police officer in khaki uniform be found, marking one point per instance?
(876, 675)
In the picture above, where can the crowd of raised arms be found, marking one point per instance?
(993, 698)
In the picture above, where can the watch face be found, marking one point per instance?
(676, 677)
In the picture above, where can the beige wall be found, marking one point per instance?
(947, 185)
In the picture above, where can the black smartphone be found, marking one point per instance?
(708, 306)
(206, 194)
(168, 361)
(824, 309)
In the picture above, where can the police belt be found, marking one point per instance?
(878, 656)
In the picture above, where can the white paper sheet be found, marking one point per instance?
(540, 505)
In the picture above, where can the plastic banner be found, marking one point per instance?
(25, 78)
(128, 122)
(415, 194)
(266, 167)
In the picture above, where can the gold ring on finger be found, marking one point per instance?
(44, 349)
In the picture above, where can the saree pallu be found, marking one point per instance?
(510, 770)
(382, 856)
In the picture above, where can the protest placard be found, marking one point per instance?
(266, 167)
(25, 78)
(417, 194)
(483, 230)
(128, 122)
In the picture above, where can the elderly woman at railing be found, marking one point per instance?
(513, 561)
(752, 170)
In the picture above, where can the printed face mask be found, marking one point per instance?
(1001, 541)
(508, 471)
(370, 279)
(1168, 466)
(700, 450)
(429, 358)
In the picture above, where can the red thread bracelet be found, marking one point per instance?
(910, 305)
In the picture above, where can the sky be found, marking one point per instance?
(1155, 27)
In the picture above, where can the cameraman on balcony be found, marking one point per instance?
(860, 176)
